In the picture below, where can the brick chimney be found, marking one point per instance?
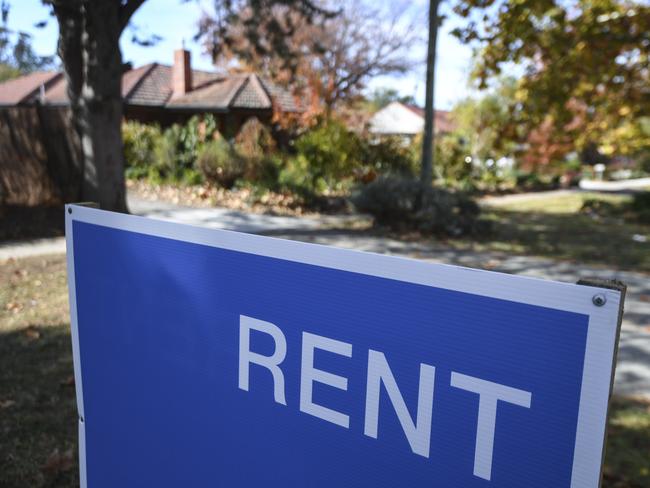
(181, 73)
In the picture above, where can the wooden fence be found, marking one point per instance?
(40, 161)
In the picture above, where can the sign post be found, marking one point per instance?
(212, 358)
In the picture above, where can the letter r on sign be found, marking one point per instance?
(272, 363)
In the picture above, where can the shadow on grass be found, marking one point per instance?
(570, 236)
(19, 223)
(38, 420)
(627, 459)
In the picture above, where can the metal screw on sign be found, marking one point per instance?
(599, 299)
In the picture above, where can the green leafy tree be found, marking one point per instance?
(17, 56)
(631, 139)
(485, 123)
(584, 62)
(332, 151)
(8, 72)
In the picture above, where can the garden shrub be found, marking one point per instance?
(182, 146)
(189, 154)
(140, 142)
(332, 153)
(392, 201)
(165, 158)
(296, 176)
(219, 163)
(254, 143)
(269, 169)
(190, 137)
(450, 165)
(159, 156)
(390, 155)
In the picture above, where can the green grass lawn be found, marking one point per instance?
(38, 446)
(555, 227)
(38, 423)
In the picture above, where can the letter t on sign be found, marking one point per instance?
(489, 394)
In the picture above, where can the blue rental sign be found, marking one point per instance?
(213, 358)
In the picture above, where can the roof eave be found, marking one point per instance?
(195, 108)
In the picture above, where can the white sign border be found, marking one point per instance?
(601, 336)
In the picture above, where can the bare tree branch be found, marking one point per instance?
(333, 58)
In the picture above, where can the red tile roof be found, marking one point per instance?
(151, 85)
(442, 121)
(251, 94)
(415, 109)
(132, 78)
(20, 90)
(56, 93)
(216, 95)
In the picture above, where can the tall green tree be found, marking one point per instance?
(584, 63)
(484, 123)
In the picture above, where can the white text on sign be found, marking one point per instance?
(418, 432)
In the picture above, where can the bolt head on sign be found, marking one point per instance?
(212, 358)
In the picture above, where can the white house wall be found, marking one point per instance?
(397, 119)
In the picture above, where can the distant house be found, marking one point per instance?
(167, 94)
(400, 119)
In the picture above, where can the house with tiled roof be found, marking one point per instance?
(166, 94)
(401, 119)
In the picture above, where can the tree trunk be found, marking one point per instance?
(89, 48)
(426, 169)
